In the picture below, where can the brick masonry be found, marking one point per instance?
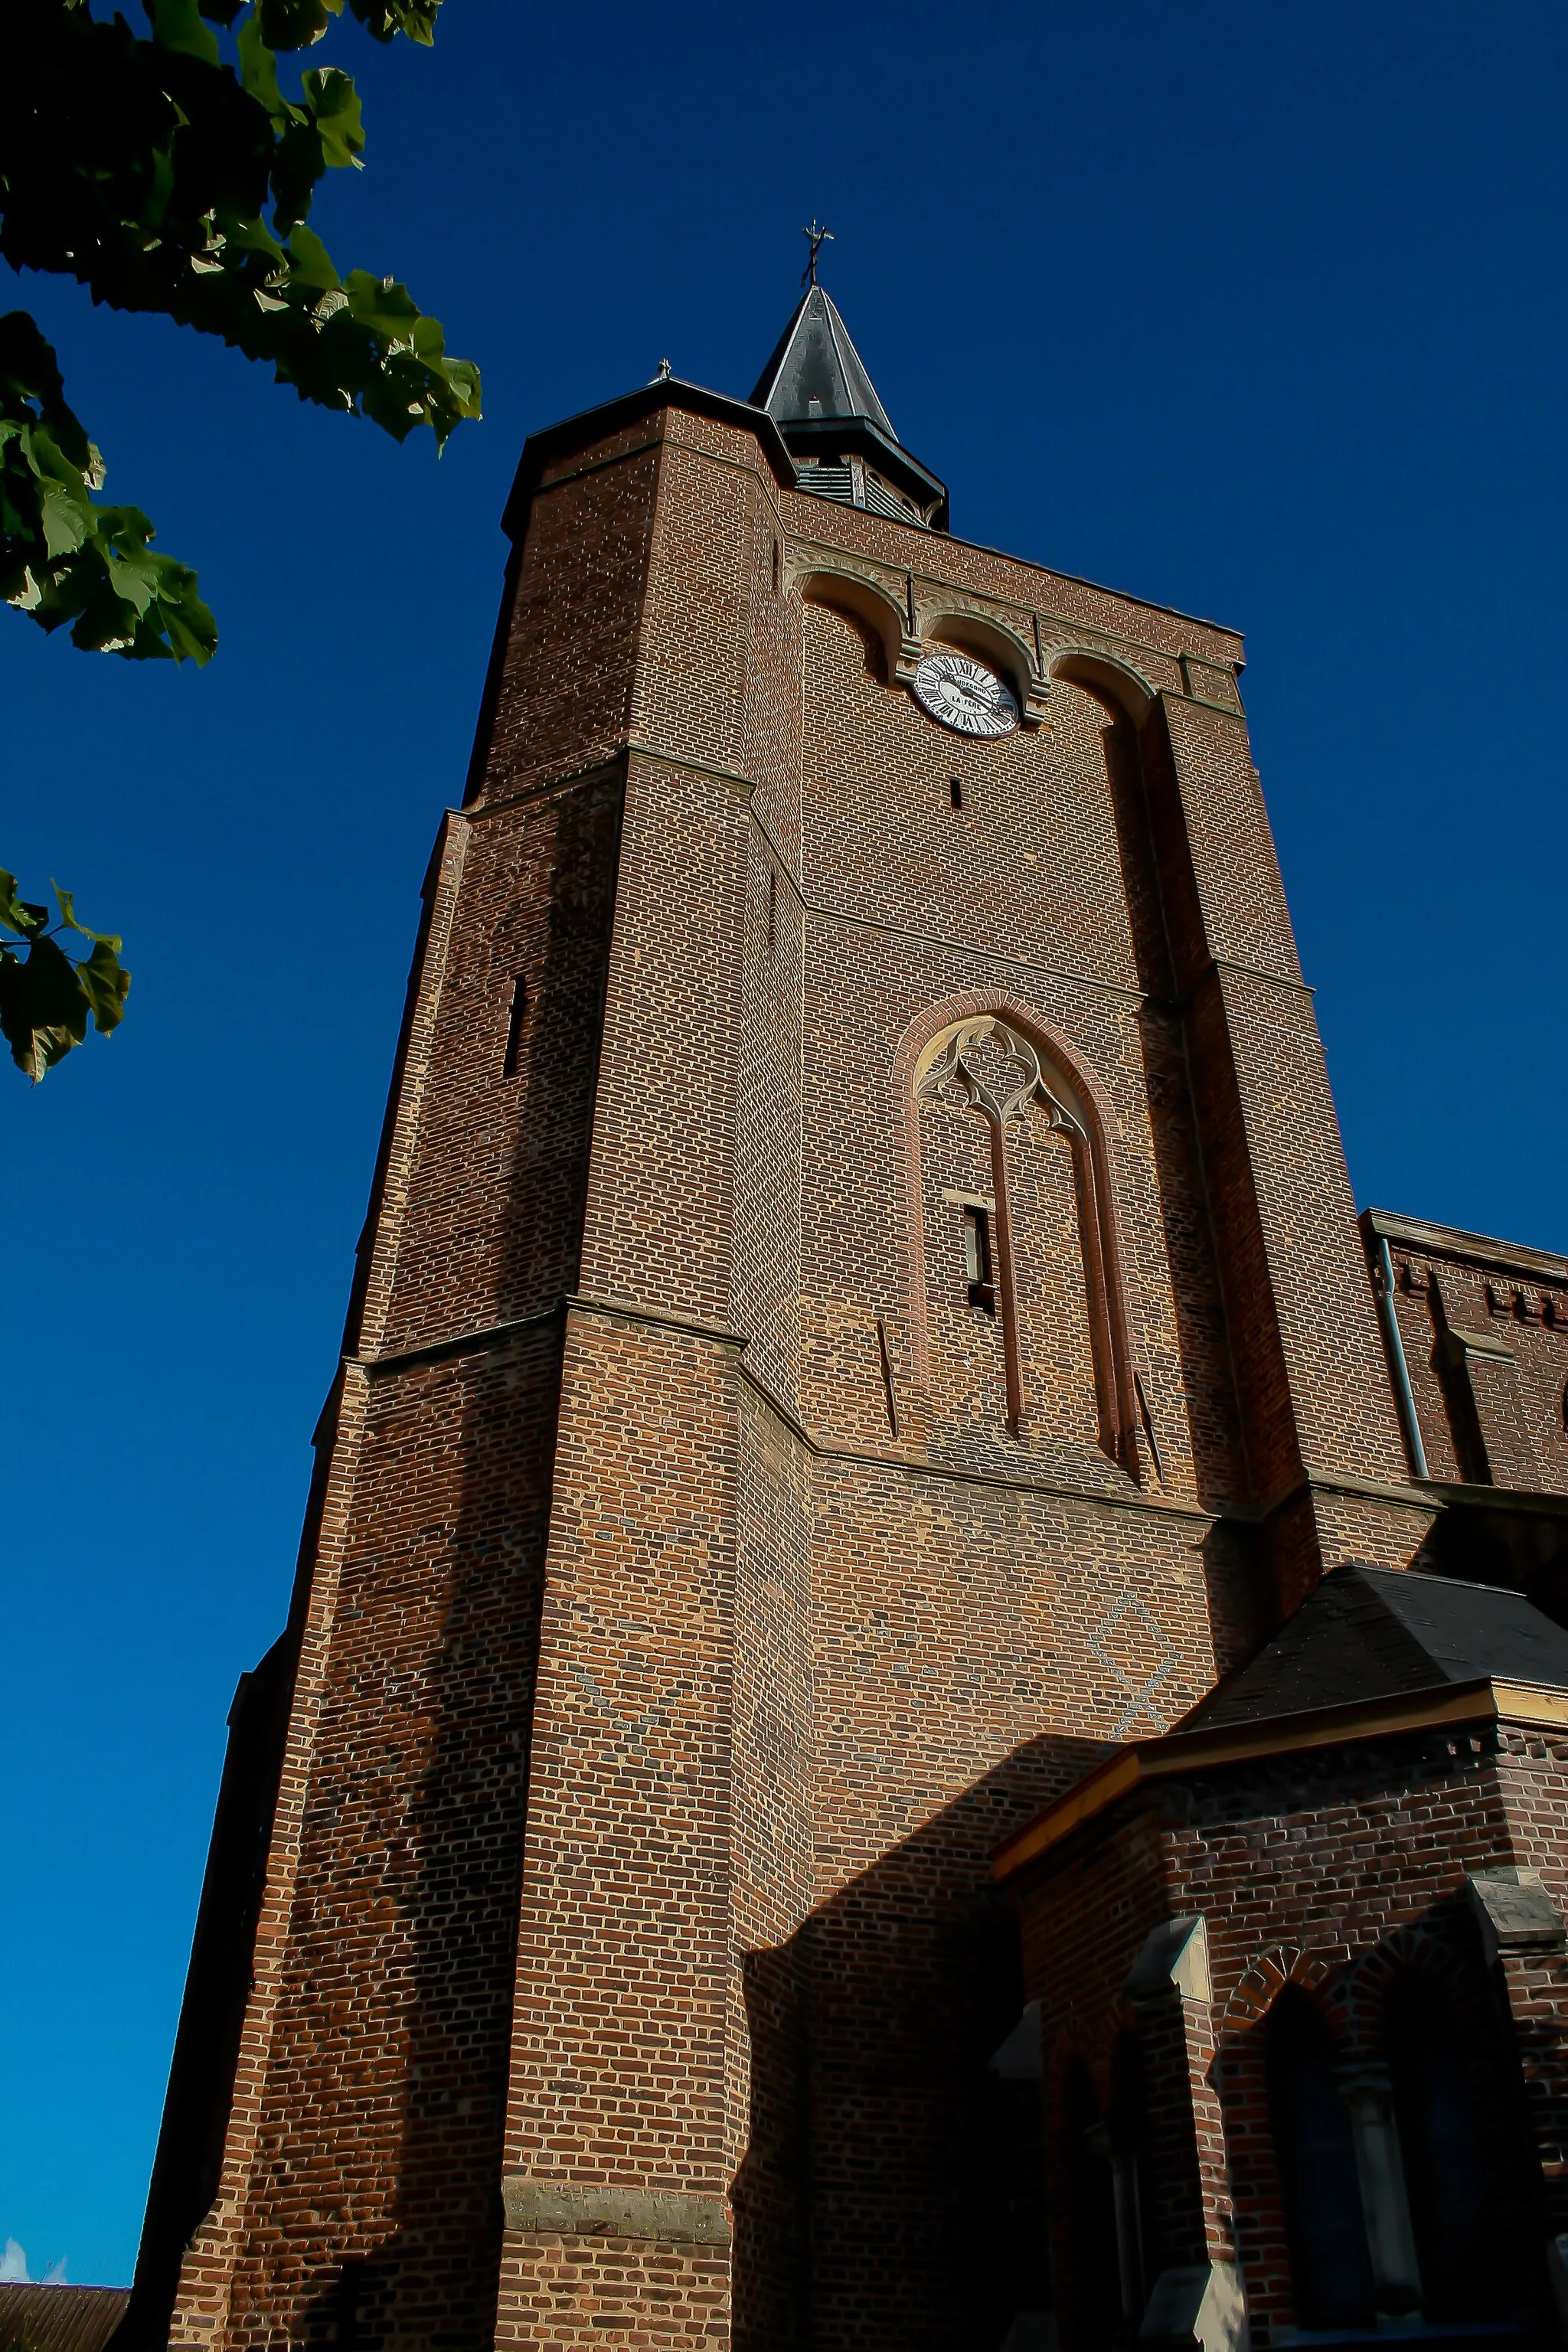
(1342, 1872)
(1510, 1392)
(680, 1622)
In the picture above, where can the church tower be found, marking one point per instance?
(860, 1311)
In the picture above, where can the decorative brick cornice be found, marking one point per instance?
(1539, 1705)
(1452, 1241)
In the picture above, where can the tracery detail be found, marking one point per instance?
(958, 1067)
(990, 1064)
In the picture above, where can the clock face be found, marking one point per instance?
(966, 695)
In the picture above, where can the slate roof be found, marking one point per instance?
(815, 370)
(1379, 1633)
(60, 2318)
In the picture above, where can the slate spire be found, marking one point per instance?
(816, 372)
(816, 389)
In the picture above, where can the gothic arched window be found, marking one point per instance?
(1020, 1185)
(1129, 2103)
(1096, 2270)
(1444, 2175)
(1331, 2267)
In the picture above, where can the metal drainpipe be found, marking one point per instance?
(1403, 1395)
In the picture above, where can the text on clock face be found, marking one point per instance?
(961, 693)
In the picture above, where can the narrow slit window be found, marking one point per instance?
(977, 1260)
(1325, 2225)
(776, 567)
(955, 786)
(514, 1027)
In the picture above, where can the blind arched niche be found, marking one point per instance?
(995, 1060)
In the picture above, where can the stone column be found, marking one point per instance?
(1187, 2209)
(1523, 1937)
(1368, 2091)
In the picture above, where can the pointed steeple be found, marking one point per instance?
(817, 392)
(816, 370)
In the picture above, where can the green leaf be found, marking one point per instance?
(335, 109)
(64, 558)
(45, 1000)
(43, 1008)
(258, 68)
(189, 626)
(414, 18)
(105, 982)
(67, 901)
(292, 24)
(309, 263)
(177, 26)
(242, 234)
(382, 304)
(167, 181)
(31, 386)
(66, 527)
(19, 915)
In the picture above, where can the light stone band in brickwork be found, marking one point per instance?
(547, 2208)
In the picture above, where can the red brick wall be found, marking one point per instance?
(367, 2119)
(624, 1993)
(1519, 1397)
(564, 694)
(1337, 1870)
(672, 1659)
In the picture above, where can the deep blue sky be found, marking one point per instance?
(1255, 310)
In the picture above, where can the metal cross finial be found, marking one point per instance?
(818, 238)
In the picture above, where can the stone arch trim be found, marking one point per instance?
(989, 636)
(1267, 1977)
(1082, 665)
(1353, 1987)
(866, 599)
(1112, 1323)
(1442, 1949)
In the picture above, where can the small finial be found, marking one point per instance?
(663, 370)
(817, 239)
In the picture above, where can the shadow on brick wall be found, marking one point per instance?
(891, 2194)
(432, 2276)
